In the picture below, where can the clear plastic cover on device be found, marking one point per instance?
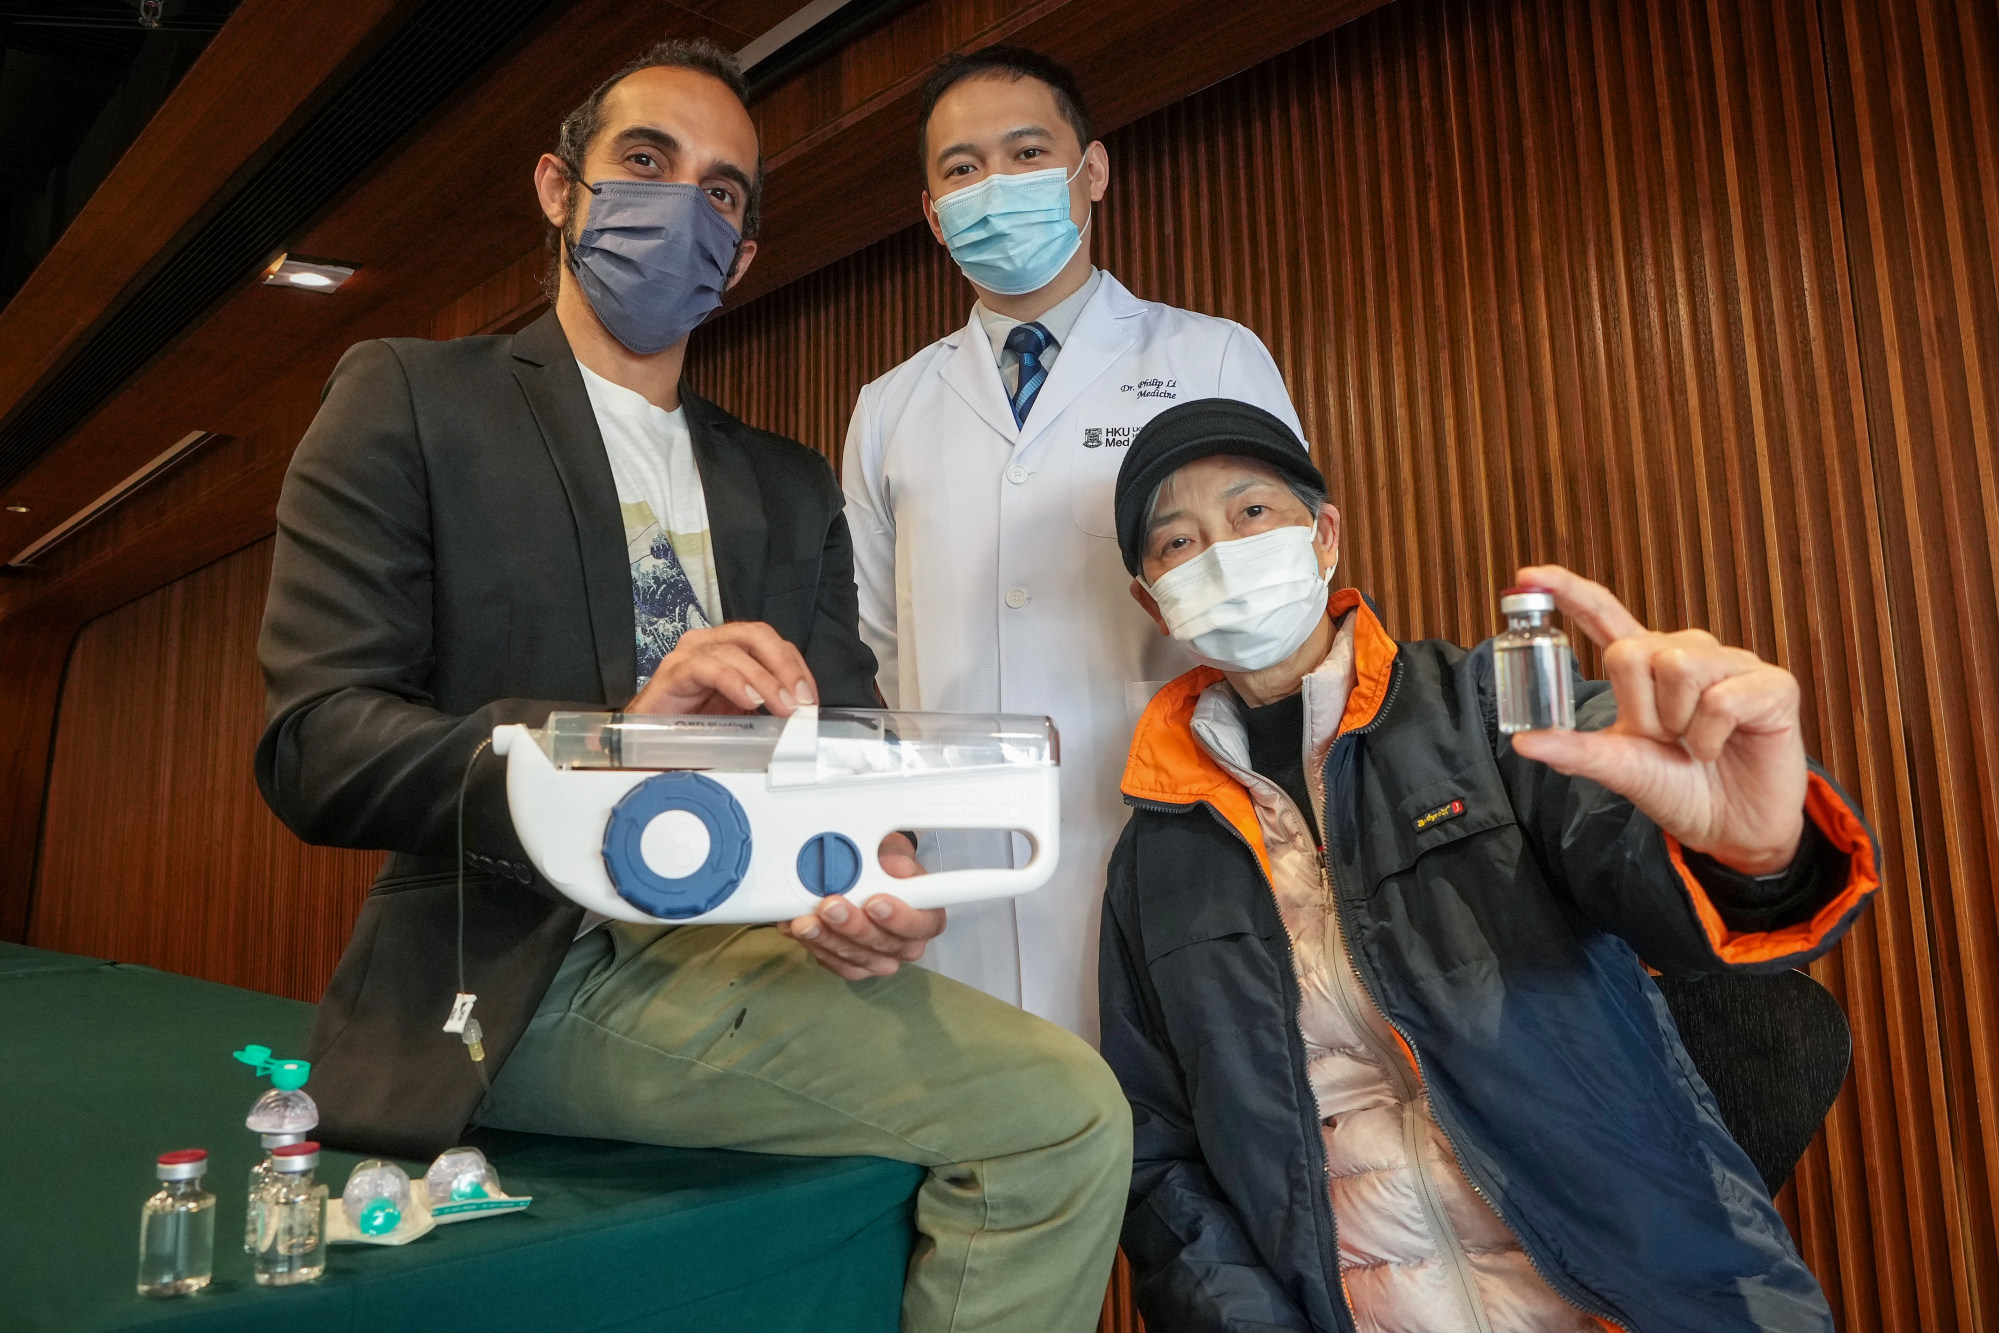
(853, 742)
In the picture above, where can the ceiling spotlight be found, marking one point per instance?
(17, 509)
(314, 275)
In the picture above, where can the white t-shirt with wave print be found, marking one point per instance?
(674, 586)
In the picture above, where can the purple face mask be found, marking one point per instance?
(652, 260)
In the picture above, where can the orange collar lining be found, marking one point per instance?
(1167, 763)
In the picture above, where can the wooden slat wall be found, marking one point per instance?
(1666, 292)
(1693, 296)
(157, 847)
(793, 361)
(1915, 96)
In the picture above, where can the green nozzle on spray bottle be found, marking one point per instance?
(284, 1114)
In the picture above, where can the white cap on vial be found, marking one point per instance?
(1515, 601)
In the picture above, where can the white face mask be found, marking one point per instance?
(1246, 604)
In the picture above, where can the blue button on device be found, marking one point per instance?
(829, 863)
(705, 887)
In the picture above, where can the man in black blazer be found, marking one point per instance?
(455, 551)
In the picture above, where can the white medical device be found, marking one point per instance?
(703, 818)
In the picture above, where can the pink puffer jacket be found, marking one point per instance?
(1420, 1251)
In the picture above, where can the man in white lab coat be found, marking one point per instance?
(979, 477)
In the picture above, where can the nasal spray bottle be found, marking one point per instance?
(285, 1114)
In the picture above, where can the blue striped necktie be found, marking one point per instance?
(1028, 342)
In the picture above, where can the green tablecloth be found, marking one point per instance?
(104, 1066)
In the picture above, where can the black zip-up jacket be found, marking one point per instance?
(1497, 912)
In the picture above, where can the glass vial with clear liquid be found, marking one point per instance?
(262, 1176)
(1530, 665)
(177, 1228)
(291, 1235)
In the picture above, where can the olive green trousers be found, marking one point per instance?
(732, 1037)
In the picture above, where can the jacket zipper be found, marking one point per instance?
(1343, 979)
(1345, 928)
(1334, 1280)
(1411, 1096)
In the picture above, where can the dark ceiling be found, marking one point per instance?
(78, 80)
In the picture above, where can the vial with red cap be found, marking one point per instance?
(291, 1241)
(177, 1228)
(1531, 665)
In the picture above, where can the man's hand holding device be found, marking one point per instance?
(737, 667)
(740, 667)
(857, 944)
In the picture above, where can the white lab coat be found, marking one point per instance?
(990, 581)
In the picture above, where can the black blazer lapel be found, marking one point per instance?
(547, 373)
(738, 531)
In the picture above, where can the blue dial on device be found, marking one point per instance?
(829, 863)
(704, 886)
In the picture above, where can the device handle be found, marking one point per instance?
(961, 885)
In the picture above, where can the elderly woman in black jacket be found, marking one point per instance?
(1371, 970)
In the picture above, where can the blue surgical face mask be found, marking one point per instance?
(653, 259)
(1011, 234)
